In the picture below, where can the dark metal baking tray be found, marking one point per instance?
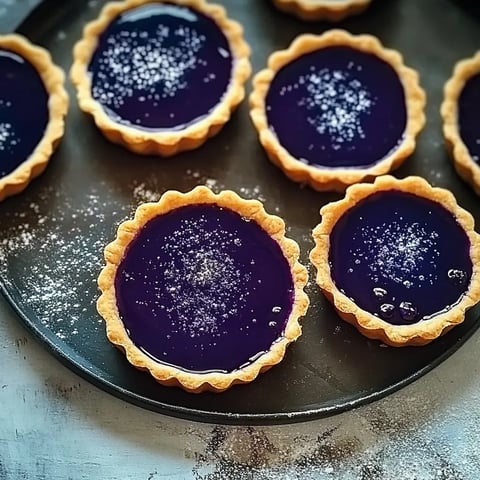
(52, 235)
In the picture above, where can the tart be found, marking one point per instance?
(398, 259)
(331, 10)
(460, 119)
(29, 129)
(203, 290)
(336, 109)
(161, 77)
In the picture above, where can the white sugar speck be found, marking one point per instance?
(142, 194)
(202, 287)
(8, 138)
(396, 251)
(134, 62)
(59, 264)
(336, 102)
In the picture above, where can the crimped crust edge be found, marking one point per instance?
(465, 166)
(368, 324)
(53, 79)
(338, 179)
(169, 375)
(332, 12)
(170, 142)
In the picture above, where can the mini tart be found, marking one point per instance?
(161, 77)
(313, 10)
(461, 119)
(29, 130)
(337, 109)
(398, 259)
(203, 290)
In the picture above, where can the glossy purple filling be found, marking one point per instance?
(161, 67)
(469, 116)
(401, 257)
(23, 110)
(203, 289)
(337, 107)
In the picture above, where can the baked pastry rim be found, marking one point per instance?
(53, 79)
(170, 375)
(324, 178)
(164, 143)
(466, 167)
(322, 10)
(371, 326)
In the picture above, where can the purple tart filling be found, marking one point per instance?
(161, 67)
(24, 111)
(204, 289)
(338, 107)
(468, 116)
(401, 257)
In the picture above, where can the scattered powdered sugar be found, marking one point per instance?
(247, 192)
(397, 251)
(53, 259)
(252, 192)
(8, 137)
(138, 62)
(143, 194)
(337, 102)
(202, 287)
(59, 252)
(6, 133)
(411, 435)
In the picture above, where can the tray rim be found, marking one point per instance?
(8, 291)
(221, 418)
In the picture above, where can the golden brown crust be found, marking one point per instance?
(336, 178)
(53, 79)
(466, 167)
(170, 142)
(169, 375)
(314, 10)
(368, 324)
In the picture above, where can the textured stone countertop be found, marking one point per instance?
(56, 426)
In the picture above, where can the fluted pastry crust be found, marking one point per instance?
(164, 143)
(169, 375)
(371, 326)
(53, 79)
(323, 178)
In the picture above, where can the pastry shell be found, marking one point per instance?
(368, 324)
(170, 375)
(324, 178)
(53, 79)
(465, 166)
(164, 143)
(313, 10)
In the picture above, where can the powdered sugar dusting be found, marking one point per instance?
(59, 251)
(202, 288)
(397, 251)
(8, 137)
(148, 67)
(336, 101)
(142, 193)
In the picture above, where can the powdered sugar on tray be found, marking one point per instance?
(59, 250)
(59, 255)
